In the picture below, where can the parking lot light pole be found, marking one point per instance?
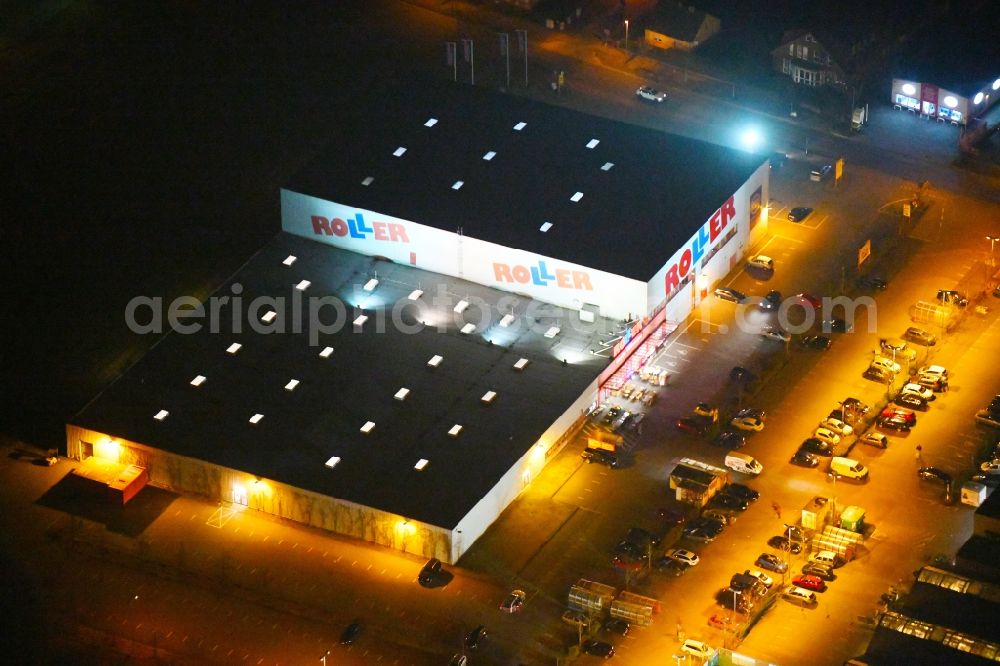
(992, 240)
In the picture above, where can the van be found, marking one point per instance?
(849, 468)
(799, 595)
(741, 462)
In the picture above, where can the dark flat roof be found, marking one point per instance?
(630, 221)
(968, 613)
(302, 428)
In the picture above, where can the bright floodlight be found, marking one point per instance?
(996, 84)
(751, 138)
(979, 97)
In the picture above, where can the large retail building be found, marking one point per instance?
(460, 276)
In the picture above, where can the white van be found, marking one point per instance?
(849, 468)
(826, 558)
(741, 462)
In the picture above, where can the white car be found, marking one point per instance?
(764, 579)
(837, 426)
(799, 595)
(827, 435)
(886, 364)
(936, 370)
(776, 334)
(696, 648)
(990, 467)
(747, 423)
(761, 261)
(917, 389)
(650, 94)
(685, 556)
(876, 439)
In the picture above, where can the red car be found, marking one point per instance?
(692, 425)
(626, 563)
(809, 299)
(898, 412)
(809, 582)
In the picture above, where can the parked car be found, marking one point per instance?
(820, 342)
(808, 299)
(886, 364)
(600, 456)
(671, 516)
(872, 282)
(724, 501)
(476, 637)
(781, 542)
(911, 400)
(761, 577)
(576, 618)
(754, 412)
(821, 571)
(933, 370)
(804, 459)
(798, 595)
(896, 349)
(816, 447)
(705, 410)
(703, 529)
(934, 474)
(691, 425)
(682, 555)
(876, 439)
(827, 435)
(433, 574)
(598, 648)
(632, 550)
(895, 423)
(799, 213)
(919, 336)
(351, 633)
(513, 602)
(696, 649)
(458, 660)
(615, 625)
(821, 173)
(877, 374)
(809, 582)
(731, 440)
(761, 262)
(771, 562)
(837, 426)
(751, 423)
(776, 334)
(650, 94)
(855, 405)
(919, 390)
(724, 516)
(905, 414)
(667, 565)
(730, 294)
(953, 297)
(741, 491)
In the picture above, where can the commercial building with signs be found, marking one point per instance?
(459, 277)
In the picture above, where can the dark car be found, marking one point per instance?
(599, 649)
(730, 294)
(641, 537)
(476, 637)
(692, 425)
(351, 633)
(783, 543)
(771, 562)
(632, 550)
(877, 374)
(804, 459)
(855, 405)
(617, 626)
(799, 213)
(724, 501)
(752, 413)
(953, 297)
(671, 566)
(703, 529)
(820, 342)
(433, 574)
(810, 582)
(741, 374)
(919, 336)
(819, 570)
(745, 493)
(771, 301)
(872, 282)
(816, 447)
(895, 423)
(600, 456)
(836, 325)
(731, 440)
(671, 516)
(912, 401)
(934, 474)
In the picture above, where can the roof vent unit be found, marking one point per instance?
(401, 394)
(198, 381)
(326, 353)
(360, 321)
(269, 316)
(292, 383)
(421, 464)
(576, 197)
(332, 461)
(521, 364)
(489, 397)
(545, 227)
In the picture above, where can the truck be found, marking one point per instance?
(589, 596)
(602, 439)
(635, 608)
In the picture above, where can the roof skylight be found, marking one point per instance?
(421, 464)
(593, 143)
(367, 181)
(233, 348)
(431, 122)
(468, 328)
(435, 361)
(292, 383)
(198, 381)
(255, 419)
(368, 427)
(399, 151)
(545, 227)
(455, 430)
(457, 185)
(402, 393)
(327, 351)
(489, 397)
(416, 294)
(332, 461)
(552, 332)
(576, 197)
(461, 306)
(607, 166)
(290, 259)
(520, 126)
(303, 285)
(162, 414)
(521, 364)
(490, 154)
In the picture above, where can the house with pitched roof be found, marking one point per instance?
(674, 25)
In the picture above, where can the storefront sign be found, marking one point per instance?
(356, 228)
(540, 275)
(700, 244)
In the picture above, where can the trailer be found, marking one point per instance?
(588, 596)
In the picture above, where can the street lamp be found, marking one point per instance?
(834, 476)
(992, 240)
(323, 658)
(626, 34)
